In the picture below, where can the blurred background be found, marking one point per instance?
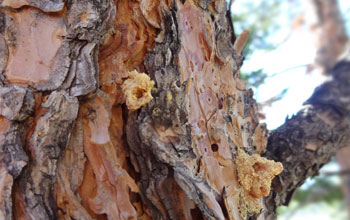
(292, 44)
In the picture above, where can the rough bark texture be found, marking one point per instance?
(85, 136)
(310, 138)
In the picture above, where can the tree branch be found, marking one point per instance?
(310, 138)
(336, 173)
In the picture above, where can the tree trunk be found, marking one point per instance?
(133, 109)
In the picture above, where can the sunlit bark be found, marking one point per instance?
(86, 134)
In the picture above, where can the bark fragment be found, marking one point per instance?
(34, 197)
(44, 5)
(113, 183)
(70, 172)
(16, 103)
(48, 51)
(88, 23)
(3, 49)
(38, 53)
(12, 161)
(150, 9)
(6, 182)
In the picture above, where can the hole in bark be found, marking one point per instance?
(139, 92)
(221, 100)
(212, 17)
(201, 124)
(196, 213)
(220, 105)
(188, 25)
(214, 147)
(198, 163)
(137, 37)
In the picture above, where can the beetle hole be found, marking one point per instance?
(139, 92)
(214, 147)
(220, 105)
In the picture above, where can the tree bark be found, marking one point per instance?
(134, 110)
